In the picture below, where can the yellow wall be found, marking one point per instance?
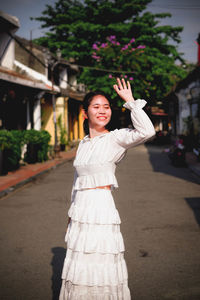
(47, 119)
(73, 121)
(80, 123)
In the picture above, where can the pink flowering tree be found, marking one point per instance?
(111, 59)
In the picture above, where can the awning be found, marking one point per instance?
(159, 114)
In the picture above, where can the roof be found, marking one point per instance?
(14, 77)
(69, 92)
(9, 20)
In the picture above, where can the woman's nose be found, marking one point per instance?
(102, 110)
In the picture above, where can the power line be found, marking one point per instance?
(175, 7)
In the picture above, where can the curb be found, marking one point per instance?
(14, 187)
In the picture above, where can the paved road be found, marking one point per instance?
(159, 207)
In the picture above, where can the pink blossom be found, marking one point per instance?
(141, 47)
(95, 47)
(130, 78)
(125, 76)
(125, 47)
(96, 57)
(104, 45)
(118, 44)
(112, 37)
(132, 40)
(110, 75)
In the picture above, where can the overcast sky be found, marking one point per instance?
(184, 13)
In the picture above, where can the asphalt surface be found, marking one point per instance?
(159, 206)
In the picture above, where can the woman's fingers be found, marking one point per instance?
(119, 83)
(129, 86)
(124, 83)
(116, 88)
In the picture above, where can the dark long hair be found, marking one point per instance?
(86, 102)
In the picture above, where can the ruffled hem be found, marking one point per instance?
(94, 214)
(96, 179)
(78, 292)
(91, 272)
(91, 238)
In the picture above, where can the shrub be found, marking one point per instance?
(10, 144)
(37, 145)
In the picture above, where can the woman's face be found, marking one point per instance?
(99, 112)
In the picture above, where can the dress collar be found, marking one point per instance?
(87, 138)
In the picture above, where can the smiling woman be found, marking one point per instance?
(94, 266)
(97, 113)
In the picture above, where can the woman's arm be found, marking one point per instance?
(144, 129)
(72, 194)
(73, 190)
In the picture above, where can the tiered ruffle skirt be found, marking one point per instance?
(94, 267)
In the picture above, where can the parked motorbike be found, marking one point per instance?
(177, 154)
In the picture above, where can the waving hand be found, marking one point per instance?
(123, 89)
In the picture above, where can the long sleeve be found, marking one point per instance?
(143, 127)
(73, 190)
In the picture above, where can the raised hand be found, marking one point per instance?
(123, 89)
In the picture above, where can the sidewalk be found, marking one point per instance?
(27, 173)
(192, 163)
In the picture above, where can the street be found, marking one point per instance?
(159, 206)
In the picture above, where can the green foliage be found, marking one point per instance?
(6, 139)
(75, 26)
(63, 132)
(37, 145)
(11, 145)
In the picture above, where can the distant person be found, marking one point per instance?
(94, 267)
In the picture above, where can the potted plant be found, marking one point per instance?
(63, 134)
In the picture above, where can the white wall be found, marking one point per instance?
(37, 115)
(185, 110)
(63, 79)
(9, 57)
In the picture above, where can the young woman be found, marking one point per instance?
(94, 267)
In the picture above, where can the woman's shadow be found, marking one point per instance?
(59, 254)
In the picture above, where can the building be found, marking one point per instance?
(20, 94)
(37, 87)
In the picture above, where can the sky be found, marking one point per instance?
(184, 13)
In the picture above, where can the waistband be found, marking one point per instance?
(106, 187)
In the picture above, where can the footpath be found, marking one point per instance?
(29, 172)
(192, 163)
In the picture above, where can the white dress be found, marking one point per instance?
(94, 266)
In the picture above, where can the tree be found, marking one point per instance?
(76, 26)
